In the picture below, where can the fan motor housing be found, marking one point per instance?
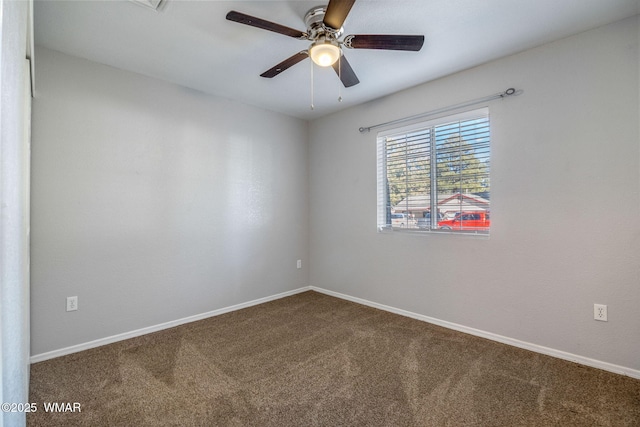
(316, 28)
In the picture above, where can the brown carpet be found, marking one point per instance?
(315, 360)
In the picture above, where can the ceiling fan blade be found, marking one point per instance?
(265, 25)
(284, 65)
(337, 11)
(384, 41)
(345, 72)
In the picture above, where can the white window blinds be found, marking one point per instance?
(441, 166)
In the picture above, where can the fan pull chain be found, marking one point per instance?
(311, 62)
(340, 78)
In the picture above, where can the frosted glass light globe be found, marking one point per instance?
(324, 53)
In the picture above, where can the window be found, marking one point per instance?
(437, 166)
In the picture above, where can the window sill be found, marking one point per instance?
(417, 232)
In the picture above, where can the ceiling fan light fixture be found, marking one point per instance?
(324, 52)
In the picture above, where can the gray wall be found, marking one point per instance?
(152, 202)
(565, 189)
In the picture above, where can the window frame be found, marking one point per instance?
(381, 171)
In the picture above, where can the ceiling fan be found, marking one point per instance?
(324, 29)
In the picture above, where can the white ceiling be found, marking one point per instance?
(190, 42)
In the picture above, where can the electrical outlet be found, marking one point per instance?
(72, 303)
(299, 263)
(600, 312)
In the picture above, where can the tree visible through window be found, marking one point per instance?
(440, 166)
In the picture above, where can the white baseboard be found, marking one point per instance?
(634, 373)
(120, 337)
